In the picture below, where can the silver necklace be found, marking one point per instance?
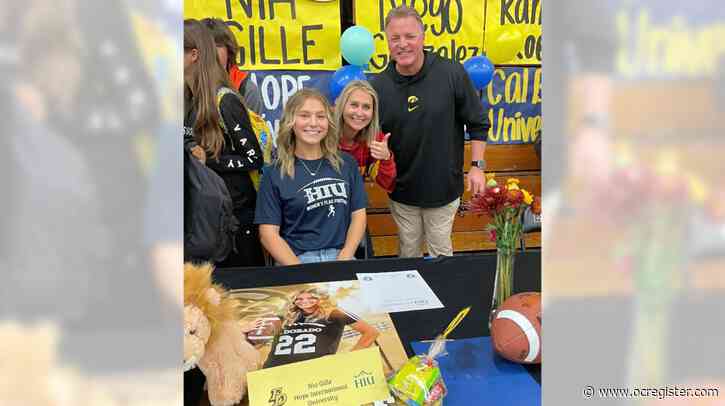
(308, 169)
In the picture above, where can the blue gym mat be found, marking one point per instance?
(475, 375)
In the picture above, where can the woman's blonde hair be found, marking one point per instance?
(373, 128)
(206, 76)
(286, 140)
(324, 306)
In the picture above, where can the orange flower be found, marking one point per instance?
(536, 206)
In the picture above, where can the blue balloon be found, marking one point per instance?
(480, 70)
(342, 77)
(357, 45)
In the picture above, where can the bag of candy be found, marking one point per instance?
(419, 381)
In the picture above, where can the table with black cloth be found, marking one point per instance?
(458, 281)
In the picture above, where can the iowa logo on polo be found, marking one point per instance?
(412, 103)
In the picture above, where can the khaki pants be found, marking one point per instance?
(415, 224)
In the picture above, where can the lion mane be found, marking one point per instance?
(197, 282)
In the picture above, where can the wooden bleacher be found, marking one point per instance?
(506, 161)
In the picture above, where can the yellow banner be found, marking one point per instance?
(453, 28)
(278, 34)
(352, 378)
(501, 14)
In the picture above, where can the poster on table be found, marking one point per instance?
(306, 321)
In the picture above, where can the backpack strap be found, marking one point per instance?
(223, 91)
(243, 86)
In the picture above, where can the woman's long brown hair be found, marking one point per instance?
(202, 80)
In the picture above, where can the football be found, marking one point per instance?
(267, 329)
(516, 329)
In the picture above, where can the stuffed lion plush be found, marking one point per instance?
(213, 337)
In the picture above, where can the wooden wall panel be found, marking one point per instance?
(505, 158)
(506, 161)
(462, 242)
(531, 181)
(666, 113)
(383, 224)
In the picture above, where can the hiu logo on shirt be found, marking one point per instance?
(325, 191)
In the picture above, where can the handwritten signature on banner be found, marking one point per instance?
(513, 103)
(512, 100)
(273, 34)
(453, 28)
(525, 14)
(667, 39)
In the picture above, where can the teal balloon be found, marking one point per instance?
(357, 45)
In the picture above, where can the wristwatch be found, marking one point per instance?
(480, 164)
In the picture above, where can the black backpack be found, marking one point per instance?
(209, 223)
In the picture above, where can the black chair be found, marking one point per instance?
(365, 249)
(530, 223)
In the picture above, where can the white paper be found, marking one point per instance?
(391, 292)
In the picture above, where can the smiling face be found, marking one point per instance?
(310, 126)
(405, 43)
(307, 302)
(358, 111)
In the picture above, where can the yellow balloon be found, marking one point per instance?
(504, 43)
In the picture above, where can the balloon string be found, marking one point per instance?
(455, 322)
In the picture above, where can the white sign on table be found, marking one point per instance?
(390, 292)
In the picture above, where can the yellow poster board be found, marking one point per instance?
(501, 14)
(352, 378)
(453, 28)
(278, 34)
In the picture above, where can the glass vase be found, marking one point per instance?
(504, 280)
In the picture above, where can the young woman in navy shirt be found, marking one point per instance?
(311, 202)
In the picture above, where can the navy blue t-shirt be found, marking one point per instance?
(312, 212)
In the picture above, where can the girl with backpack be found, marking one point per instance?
(311, 203)
(227, 50)
(219, 133)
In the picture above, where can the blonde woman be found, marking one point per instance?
(356, 117)
(313, 328)
(311, 202)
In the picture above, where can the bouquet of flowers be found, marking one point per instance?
(504, 204)
(649, 205)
